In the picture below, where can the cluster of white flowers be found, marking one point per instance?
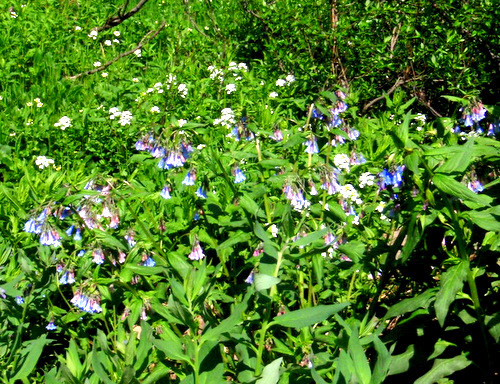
(181, 122)
(155, 109)
(230, 88)
(421, 118)
(171, 79)
(274, 230)
(159, 87)
(37, 101)
(348, 192)
(104, 74)
(216, 73)
(226, 118)
(43, 162)
(182, 88)
(125, 116)
(138, 52)
(78, 28)
(342, 161)
(380, 208)
(365, 179)
(236, 67)
(273, 95)
(93, 34)
(13, 14)
(286, 81)
(64, 122)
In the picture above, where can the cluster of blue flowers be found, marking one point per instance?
(86, 303)
(170, 157)
(392, 178)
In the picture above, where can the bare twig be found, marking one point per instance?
(398, 82)
(394, 39)
(121, 17)
(149, 36)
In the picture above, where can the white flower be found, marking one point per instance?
(290, 79)
(125, 118)
(13, 14)
(43, 162)
(38, 102)
(104, 74)
(29, 104)
(181, 122)
(138, 53)
(97, 63)
(135, 80)
(114, 113)
(154, 109)
(108, 43)
(230, 88)
(93, 34)
(78, 28)
(280, 83)
(274, 230)
(349, 193)
(366, 179)
(226, 119)
(1, 98)
(381, 206)
(243, 67)
(273, 95)
(342, 161)
(182, 88)
(232, 66)
(64, 122)
(421, 118)
(116, 33)
(116, 41)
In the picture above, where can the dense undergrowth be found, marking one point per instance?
(238, 199)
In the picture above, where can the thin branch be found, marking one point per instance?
(398, 82)
(121, 17)
(149, 36)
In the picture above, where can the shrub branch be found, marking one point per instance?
(149, 36)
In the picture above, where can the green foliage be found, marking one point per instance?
(219, 206)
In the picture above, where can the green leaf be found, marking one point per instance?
(238, 237)
(451, 282)
(360, 362)
(453, 188)
(409, 305)
(32, 351)
(401, 363)
(460, 161)
(354, 249)
(171, 348)
(443, 368)
(228, 324)
(271, 372)
(308, 316)
(488, 219)
(381, 368)
(310, 238)
(439, 348)
(99, 369)
(73, 360)
(263, 281)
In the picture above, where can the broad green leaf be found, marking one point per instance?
(345, 365)
(443, 368)
(452, 281)
(401, 363)
(381, 368)
(172, 349)
(32, 353)
(271, 372)
(412, 238)
(460, 161)
(316, 377)
(359, 360)
(238, 237)
(409, 305)
(453, 188)
(263, 281)
(228, 324)
(310, 238)
(308, 316)
(354, 249)
(412, 161)
(488, 219)
(273, 163)
(439, 348)
(73, 360)
(99, 369)
(128, 376)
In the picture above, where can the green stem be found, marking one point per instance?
(351, 285)
(266, 199)
(262, 340)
